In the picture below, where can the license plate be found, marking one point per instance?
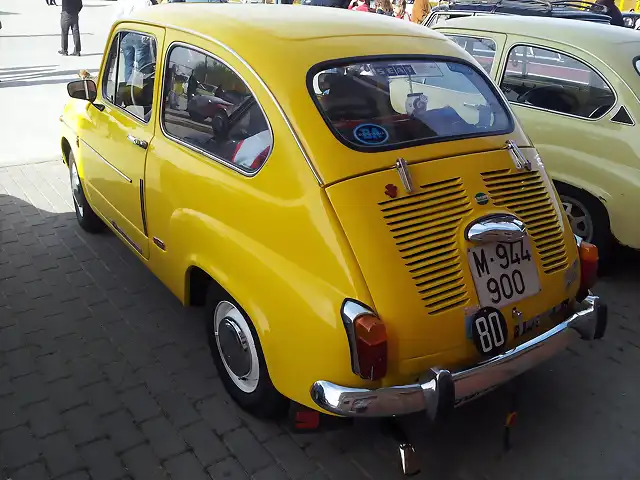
(504, 272)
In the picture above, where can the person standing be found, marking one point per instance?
(135, 47)
(69, 20)
(613, 11)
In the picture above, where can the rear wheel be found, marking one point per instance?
(238, 356)
(588, 218)
(87, 218)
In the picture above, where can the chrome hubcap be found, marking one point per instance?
(76, 188)
(236, 346)
(579, 218)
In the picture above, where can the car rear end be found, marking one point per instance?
(473, 272)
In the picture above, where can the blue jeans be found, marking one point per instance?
(137, 51)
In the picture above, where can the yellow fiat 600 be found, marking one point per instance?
(351, 200)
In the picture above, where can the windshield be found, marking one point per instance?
(382, 105)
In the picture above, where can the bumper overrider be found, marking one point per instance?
(443, 390)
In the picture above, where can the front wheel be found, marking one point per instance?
(588, 218)
(87, 218)
(238, 356)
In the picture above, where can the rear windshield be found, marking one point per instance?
(384, 105)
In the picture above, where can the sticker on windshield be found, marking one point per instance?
(370, 134)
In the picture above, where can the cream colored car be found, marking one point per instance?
(579, 105)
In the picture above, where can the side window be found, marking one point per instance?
(206, 105)
(482, 49)
(130, 73)
(555, 81)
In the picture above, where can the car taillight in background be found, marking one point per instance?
(367, 340)
(588, 264)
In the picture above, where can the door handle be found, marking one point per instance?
(137, 142)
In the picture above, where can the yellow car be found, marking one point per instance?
(360, 215)
(575, 87)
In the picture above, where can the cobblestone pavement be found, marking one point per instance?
(104, 375)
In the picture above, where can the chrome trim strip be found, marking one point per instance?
(588, 322)
(207, 154)
(350, 312)
(262, 83)
(544, 47)
(126, 237)
(107, 162)
(159, 243)
(143, 209)
(495, 228)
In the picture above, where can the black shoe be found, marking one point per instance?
(63, 53)
(75, 54)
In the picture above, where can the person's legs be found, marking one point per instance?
(129, 53)
(75, 27)
(64, 27)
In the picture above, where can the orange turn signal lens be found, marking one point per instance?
(588, 252)
(370, 330)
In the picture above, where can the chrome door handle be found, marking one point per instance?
(137, 142)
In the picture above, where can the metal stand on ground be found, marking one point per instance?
(512, 414)
(408, 458)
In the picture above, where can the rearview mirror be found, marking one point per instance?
(83, 90)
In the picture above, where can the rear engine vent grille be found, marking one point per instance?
(424, 227)
(525, 194)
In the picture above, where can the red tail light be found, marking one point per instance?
(371, 347)
(259, 160)
(588, 265)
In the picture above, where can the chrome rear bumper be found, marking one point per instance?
(443, 390)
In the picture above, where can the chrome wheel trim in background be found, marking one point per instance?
(76, 188)
(579, 217)
(226, 315)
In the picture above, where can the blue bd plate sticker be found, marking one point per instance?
(370, 134)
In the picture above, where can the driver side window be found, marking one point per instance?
(208, 107)
(553, 81)
(130, 73)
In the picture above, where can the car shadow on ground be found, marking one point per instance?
(86, 303)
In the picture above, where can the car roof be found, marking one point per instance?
(596, 38)
(291, 22)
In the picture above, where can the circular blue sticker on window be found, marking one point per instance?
(370, 134)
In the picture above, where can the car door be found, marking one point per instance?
(120, 131)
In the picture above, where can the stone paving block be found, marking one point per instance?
(30, 389)
(60, 454)
(18, 447)
(249, 452)
(163, 437)
(156, 379)
(65, 394)
(195, 385)
(11, 339)
(206, 445)
(35, 471)
(72, 346)
(171, 358)
(20, 362)
(290, 457)
(102, 398)
(122, 430)
(121, 376)
(85, 371)
(44, 419)
(228, 469)
(83, 425)
(143, 464)
(178, 409)
(52, 366)
(102, 461)
(141, 404)
(10, 412)
(272, 472)
(186, 466)
(218, 414)
(79, 475)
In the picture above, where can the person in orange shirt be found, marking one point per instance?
(421, 9)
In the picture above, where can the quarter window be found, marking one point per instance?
(206, 105)
(130, 73)
(482, 49)
(553, 81)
